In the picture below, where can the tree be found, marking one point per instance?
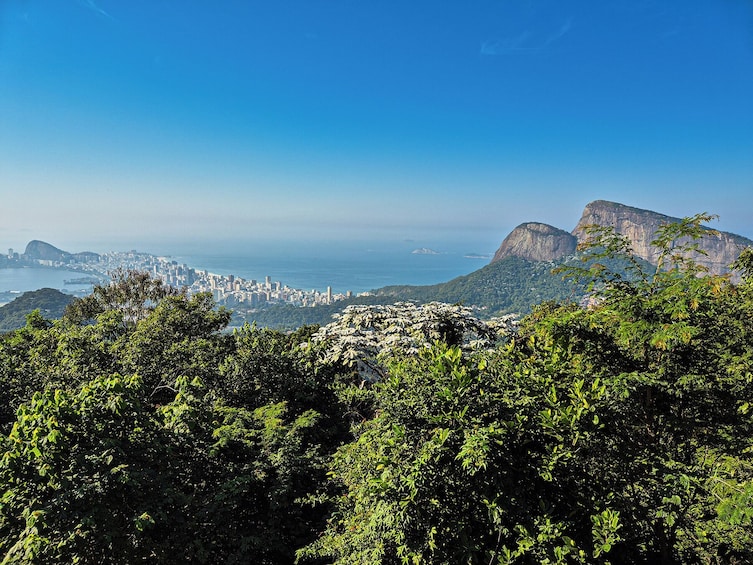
(24, 359)
(671, 345)
(160, 335)
(464, 462)
(97, 475)
(132, 294)
(618, 431)
(181, 336)
(200, 454)
(80, 476)
(364, 336)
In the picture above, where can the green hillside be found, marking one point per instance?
(48, 301)
(512, 285)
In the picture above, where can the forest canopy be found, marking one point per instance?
(135, 428)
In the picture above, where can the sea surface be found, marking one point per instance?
(344, 266)
(348, 270)
(33, 278)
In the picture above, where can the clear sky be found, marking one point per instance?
(186, 120)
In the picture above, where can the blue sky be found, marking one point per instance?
(125, 123)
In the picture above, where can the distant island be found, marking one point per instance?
(424, 251)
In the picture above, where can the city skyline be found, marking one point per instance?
(129, 123)
(243, 295)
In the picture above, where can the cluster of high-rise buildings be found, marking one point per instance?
(227, 290)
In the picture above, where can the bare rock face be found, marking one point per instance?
(41, 251)
(536, 242)
(640, 226)
(541, 242)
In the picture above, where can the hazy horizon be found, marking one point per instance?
(345, 265)
(458, 242)
(185, 124)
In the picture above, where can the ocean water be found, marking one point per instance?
(348, 265)
(23, 280)
(356, 270)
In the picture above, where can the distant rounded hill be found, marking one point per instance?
(51, 304)
(42, 251)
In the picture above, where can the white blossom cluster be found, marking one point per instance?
(363, 336)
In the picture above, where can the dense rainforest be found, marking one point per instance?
(617, 430)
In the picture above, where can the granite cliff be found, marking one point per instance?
(536, 242)
(540, 242)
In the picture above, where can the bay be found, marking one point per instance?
(344, 266)
(33, 278)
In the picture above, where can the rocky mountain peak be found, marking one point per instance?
(42, 251)
(640, 226)
(541, 242)
(536, 242)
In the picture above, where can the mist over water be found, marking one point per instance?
(344, 266)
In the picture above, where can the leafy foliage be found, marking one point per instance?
(459, 465)
(200, 454)
(132, 294)
(617, 430)
(97, 476)
(364, 336)
(678, 429)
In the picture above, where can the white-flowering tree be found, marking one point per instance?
(363, 336)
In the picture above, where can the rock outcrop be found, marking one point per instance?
(536, 242)
(41, 251)
(639, 226)
(541, 242)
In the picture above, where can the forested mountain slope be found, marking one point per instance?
(513, 285)
(136, 429)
